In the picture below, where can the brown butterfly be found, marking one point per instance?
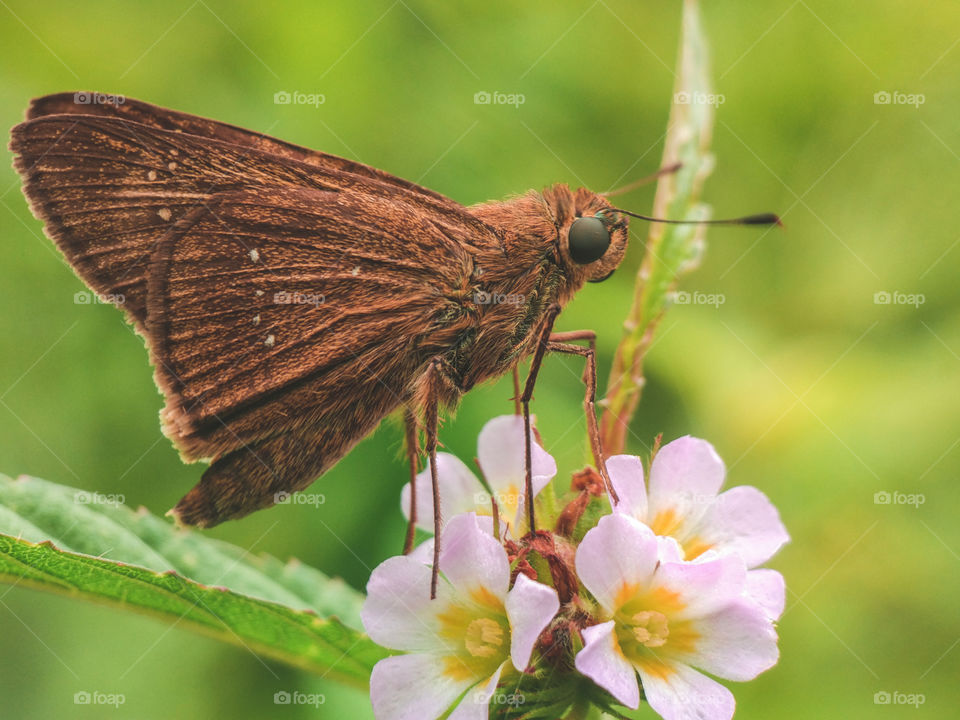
(291, 299)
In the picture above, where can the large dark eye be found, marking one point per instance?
(588, 240)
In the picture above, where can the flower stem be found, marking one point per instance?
(579, 711)
(671, 250)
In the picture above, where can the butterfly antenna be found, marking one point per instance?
(643, 181)
(760, 219)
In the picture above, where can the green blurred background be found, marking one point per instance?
(808, 387)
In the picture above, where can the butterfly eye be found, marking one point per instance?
(588, 240)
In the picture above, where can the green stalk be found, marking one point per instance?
(671, 250)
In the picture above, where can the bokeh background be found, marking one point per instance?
(809, 384)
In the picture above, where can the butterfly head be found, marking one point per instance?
(592, 236)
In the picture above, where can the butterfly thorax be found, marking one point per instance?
(515, 282)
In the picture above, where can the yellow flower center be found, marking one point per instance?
(483, 638)
(650, 628)
(477, 634)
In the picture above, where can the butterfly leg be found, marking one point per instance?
(563, 343)
(431, 412)
(516, 392)
(437, 385)
(549, 317)
(412, 442)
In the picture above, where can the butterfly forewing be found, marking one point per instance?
(289, 304)
(109, 189)
(165, 119)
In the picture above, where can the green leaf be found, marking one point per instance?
(94, 547)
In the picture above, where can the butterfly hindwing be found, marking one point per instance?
(286, 323)
(262, 291)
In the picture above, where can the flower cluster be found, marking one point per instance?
(642, 598)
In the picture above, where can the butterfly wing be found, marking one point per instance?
(287, 309)
(285, 325)
(107, 189)
(82, 103)
(258, 293)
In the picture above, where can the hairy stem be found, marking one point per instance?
(671, 250)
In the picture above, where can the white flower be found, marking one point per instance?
(682, 502)
(460, 643)
(500, 453)
(662, 618)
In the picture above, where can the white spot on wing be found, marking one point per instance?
(152, 175)
(164, 213)
(256, 319)
(172, 166)
(269, 342)
(259, 293)
(355, 271)
(254, 255)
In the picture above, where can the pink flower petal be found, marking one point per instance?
(745, 521)
(423, 552)
(460, 491)
(706, 585)
(768, 589)
(736, 643)
(681, 693)
(626, 476)
(501, 453)
(619, 551)
(472, 559)
(685, 476)
(668, 549)
(476, 703)
(413, 687)
(530, 608)
(398, 612)
(602, 661)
